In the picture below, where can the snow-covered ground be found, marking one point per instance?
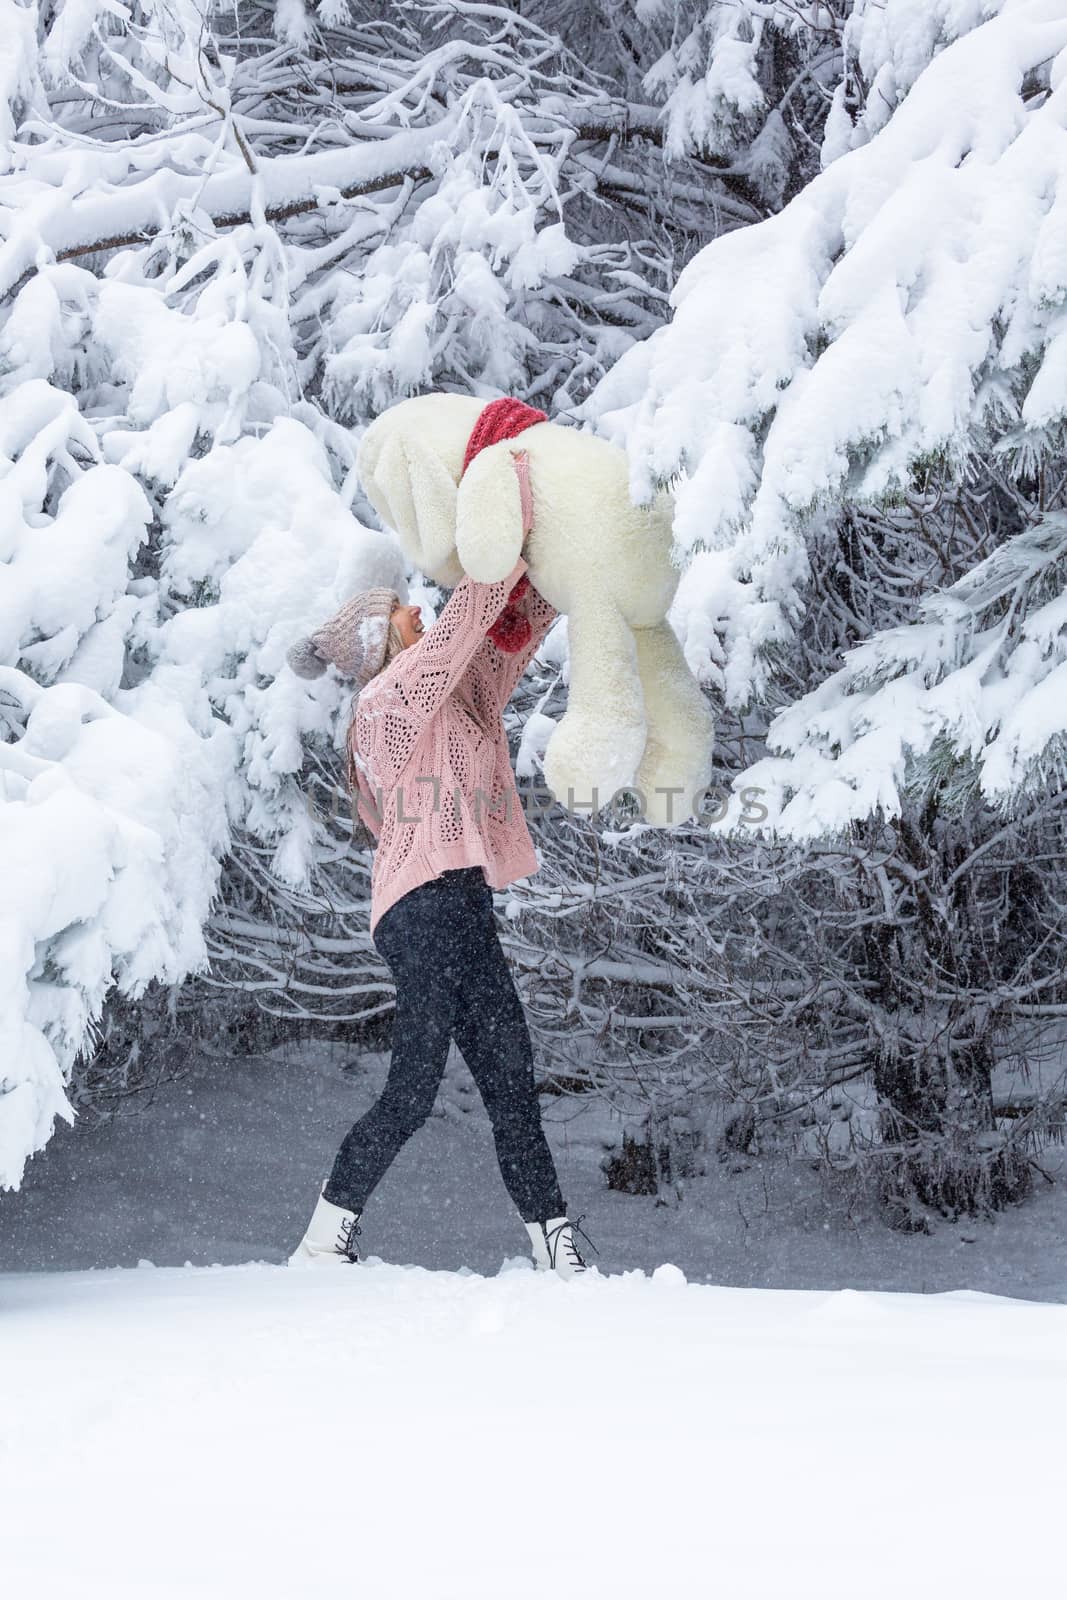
(393, 1431)
(418, 1431)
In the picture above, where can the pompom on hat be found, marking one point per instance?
(356, 640)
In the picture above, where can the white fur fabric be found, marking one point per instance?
(636, 716)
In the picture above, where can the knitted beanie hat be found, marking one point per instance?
(356, 640)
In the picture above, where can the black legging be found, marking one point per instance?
(452, 982)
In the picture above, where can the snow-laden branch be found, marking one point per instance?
(982, 672)
(49, 225)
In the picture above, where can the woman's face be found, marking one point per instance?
(408, 623)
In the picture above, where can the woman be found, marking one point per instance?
(430, 771)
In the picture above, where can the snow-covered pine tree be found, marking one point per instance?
(904, 308)
(746, 86)
(868, 446)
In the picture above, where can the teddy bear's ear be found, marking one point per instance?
(417, 496)
(489, 529)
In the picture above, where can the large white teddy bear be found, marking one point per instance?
(636, 716)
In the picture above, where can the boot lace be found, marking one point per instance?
(563, 1235)
(346, 1238)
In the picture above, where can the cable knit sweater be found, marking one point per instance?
(428, 754)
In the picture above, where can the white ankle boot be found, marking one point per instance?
(330, 1239)
(554, 1249)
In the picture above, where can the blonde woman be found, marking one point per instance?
(431, 775)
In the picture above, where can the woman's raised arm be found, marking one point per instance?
(394, 710)
(504, 671)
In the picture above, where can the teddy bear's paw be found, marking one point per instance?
(589, 758)
(667, 796)
(676, 766)
(670, 786)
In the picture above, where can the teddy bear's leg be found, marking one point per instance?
(596, 747)
(681, 728)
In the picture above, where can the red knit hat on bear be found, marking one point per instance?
(504, 419)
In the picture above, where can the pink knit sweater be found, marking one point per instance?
(429, 754)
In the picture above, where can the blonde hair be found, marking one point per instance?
(393, 645)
